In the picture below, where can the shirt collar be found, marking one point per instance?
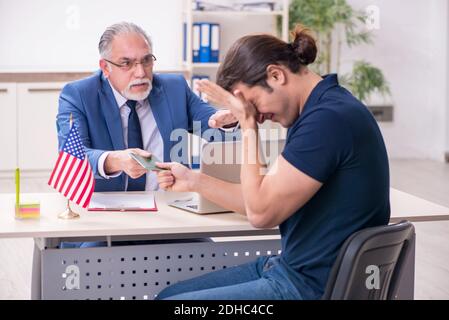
(329, 81)
(121, 100)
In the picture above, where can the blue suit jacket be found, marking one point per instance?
(95, 111)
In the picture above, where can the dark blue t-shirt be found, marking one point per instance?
(337, 142)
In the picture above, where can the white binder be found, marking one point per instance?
(196, 35)
(215, 43)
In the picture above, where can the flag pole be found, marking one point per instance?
(68, 214)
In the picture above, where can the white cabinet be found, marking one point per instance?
(8, 126)
(37, 107)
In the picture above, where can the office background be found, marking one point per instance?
(44, 43)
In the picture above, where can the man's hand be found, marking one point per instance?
(121, 161)
(222, 119)
(176, 178)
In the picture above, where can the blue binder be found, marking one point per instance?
(205, 42)
(215, 42)
(195, 146)
(184, 37)
(196, 38)
(195, 78)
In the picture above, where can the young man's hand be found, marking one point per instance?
(222, 119)
(176, 178)
(241, 109)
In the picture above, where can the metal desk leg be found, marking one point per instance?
(36, 282)
(40, 244)
(406, 289)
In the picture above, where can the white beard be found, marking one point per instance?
(140, 95)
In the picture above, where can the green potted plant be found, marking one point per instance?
(335, 22)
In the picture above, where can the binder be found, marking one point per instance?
(205, 42)
(184, 37)
(195, 147)
(195, 79)
(196, 38)
(215, 42)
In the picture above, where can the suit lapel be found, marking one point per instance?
(161, 112)
(111, 114)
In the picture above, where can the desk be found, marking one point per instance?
(166, 223)
(56, 271)
(129, 271)
(405, 206)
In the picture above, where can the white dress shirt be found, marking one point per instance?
(151, 137)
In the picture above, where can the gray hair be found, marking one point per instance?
(104, 46)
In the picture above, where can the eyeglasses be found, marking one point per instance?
(128, 64)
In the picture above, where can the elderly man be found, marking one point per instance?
(124, 107)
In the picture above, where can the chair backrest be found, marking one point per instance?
(370, 263)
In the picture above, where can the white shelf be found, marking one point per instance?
(206, 65)
(189, 67)
(234, 13)
(192, 16)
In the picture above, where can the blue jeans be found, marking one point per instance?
(262, 279)
(92, 244)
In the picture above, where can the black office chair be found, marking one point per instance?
(385, 248)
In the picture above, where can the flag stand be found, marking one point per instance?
(68, 214)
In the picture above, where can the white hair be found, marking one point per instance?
(104, 46)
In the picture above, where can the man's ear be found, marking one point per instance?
(104, 67)
(276, 75)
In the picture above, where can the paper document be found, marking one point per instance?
(122, 202)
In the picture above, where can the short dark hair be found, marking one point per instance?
(248, 58)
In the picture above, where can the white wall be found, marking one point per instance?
(62, 35)
(447, 88)
(411, 48)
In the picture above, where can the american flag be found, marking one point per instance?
(72, 175)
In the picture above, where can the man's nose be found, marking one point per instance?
(139, 70)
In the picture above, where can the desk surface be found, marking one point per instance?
(167, 220)
(405, 206)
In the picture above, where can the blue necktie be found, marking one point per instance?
(135, 141)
